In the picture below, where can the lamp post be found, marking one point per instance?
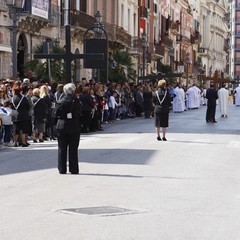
(97, 44)
(97, 28)
(98, 31)
(15, 7)
(144, 47)
(187, 61)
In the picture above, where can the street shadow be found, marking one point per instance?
(19, 161)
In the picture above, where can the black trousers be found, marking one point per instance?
(68, 145)
(210, 114)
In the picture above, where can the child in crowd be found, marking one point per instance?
(7, 124)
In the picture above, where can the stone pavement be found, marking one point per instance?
(130, 185)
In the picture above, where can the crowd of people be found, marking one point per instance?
(28, 109)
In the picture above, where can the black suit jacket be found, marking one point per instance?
(211, 96)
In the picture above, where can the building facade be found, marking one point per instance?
(178, 34)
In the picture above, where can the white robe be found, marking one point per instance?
(237, 96)
(197, 96)
(192, 98)
(179, 100)
(223, 101)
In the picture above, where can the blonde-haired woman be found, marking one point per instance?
(162, 103)
(44, 94)
(39, 115)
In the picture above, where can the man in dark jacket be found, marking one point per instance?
(211, 96)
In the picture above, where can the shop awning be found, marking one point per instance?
(5, 48)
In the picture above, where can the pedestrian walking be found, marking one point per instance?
(162, 103)
(212, 97)
(68, 130)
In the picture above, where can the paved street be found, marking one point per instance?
(130, 186)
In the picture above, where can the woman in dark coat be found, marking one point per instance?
(39, 115)
(162, 103)
(87, 107)
(22, 106)
(147, 101)
(68, 129)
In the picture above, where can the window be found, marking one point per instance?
(155, 8)
(237, 15)
(237, 69)
(237, 56)
(238, 29)
(148, 4)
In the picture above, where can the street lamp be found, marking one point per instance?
(15, 8)
(144, 46)
(187, 61)
(97, 28)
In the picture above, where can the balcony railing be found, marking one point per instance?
(118, 34)
(81, 19)
(159, 49)
(143, 12)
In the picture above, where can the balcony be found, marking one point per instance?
(196, 38)
(174, 27)
(117, 36)
(32, 23)
(81, 19)
(167, 41)
(143, 12)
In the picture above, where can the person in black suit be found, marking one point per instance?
(68, 129)
(211, 96)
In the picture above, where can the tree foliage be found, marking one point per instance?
(121, 67)
(40, 67)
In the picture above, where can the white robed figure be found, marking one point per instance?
(179, 99)
(197, 96)
(237, 95)
(192, 98)
(223, 101)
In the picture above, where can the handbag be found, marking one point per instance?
(60, 124)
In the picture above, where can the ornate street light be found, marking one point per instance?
(97, 25)
(187, 61)
(99, 31)
(144, 46)
(15, 8)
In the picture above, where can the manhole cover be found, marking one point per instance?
(104, 210)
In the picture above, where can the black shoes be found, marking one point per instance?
(25, 145)
(160, 139)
